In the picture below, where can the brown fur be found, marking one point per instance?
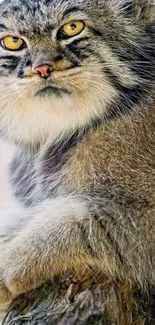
(94, 207)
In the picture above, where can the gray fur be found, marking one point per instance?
(84, 171)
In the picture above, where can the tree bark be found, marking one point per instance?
(94, 300)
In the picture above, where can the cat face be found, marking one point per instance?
(66, 64)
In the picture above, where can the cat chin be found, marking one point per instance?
(52, 91)
(33, 119)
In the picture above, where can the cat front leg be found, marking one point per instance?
(5, 295)
(55, 241)
(5, 300)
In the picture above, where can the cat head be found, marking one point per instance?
(65, 65)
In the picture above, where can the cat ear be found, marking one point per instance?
(145, 10)
(142, 10)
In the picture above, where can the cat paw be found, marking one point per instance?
(19, 273)
(5, 294)
(12, 276)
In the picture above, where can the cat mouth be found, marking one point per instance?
(52, 91)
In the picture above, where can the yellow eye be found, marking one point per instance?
(72, 28)
(12, 43)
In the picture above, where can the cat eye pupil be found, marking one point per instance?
(15, 39)
(73, 26)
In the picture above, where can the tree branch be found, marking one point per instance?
(64, 302)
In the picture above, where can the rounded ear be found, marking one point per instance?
(141, 10)
(145, 10)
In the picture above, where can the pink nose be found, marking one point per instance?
(43, 71)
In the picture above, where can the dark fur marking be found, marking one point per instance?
(57, 154)
(85, 240)
(128, 8)
(70, 56)
(71, 10)
(25, 62)
(22, 177)
(78, 41)
(11, 62)
(2, 26)
(128, 97)
(110, 239)
(80, 49)
(6, 57)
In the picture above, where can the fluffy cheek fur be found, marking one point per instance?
(30, 119)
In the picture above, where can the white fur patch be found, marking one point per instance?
(31, 119)
(10, 209)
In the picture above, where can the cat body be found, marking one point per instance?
(80, 109)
